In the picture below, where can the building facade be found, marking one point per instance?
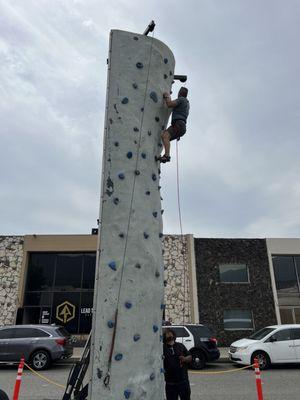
(234, 286)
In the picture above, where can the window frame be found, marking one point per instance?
(239, 329)
(234, 282)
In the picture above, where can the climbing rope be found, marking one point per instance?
(107, 376)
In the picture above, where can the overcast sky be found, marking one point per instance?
(239, 161)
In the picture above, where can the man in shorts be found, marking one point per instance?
(181, 107)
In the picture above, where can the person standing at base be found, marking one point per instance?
(180, 113)
(176, 359)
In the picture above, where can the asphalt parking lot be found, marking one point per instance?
(279, 383)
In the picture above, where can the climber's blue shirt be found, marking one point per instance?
(181, 111)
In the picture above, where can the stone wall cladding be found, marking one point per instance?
(214, 296)
(177, 290)
(11, 256)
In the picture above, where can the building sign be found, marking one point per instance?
(45, 315)
(65, 312)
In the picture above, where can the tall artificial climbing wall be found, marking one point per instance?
(129, 279)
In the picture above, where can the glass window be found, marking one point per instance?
(29, 333)
(283, 335)
(38, 299)
(89, 264)
(286, 315)
(297, 315)
(285, 274)
(261, 333)
(180, 332)
(233, 273)
(237, 319)
(40, 272)
(68, 272)
(296, 334)
(6, 333)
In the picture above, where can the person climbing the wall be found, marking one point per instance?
(176, 358)
(181, 107)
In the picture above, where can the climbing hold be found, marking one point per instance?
(157, 119)
(116, 144)
(159, 144)
(128, 305)
(162, 306)
(153, 96)
(139, 65)
(137, 172)
(154, 177)
(148, 192)
(134, 85)
(155, 328)
(110, 120)
(159, 187)
(162, 211)
(135, 142)
(162, 127)
(127, 393)
(142, 109)
(135, 38)
(149, 133)
(152, 376)
(99, 373)
(136, 129)
(110, 324)
(171, 73)
(161, 235)
(161, 338)
(116, 200)
(138, 266)
(165, 76)
(121, 175)
(165, 283)
(113, 265)
(129, 154)
(162, 370)
(154, 214)
(118, 357)
(143, 155)
(136, 337)
(146, 235)
(125, 100)
(121, 235)
(157, 274)
(165, 60)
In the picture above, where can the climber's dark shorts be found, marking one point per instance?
(177, 129)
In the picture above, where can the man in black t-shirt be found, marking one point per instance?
(176, 358)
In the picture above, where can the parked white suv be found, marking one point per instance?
(276, 344)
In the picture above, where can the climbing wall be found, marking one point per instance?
(128, 305)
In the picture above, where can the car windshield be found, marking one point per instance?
(261, 333)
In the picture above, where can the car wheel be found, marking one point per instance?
(3, 395)
(263, 359)
(198, 359)
(40, 360)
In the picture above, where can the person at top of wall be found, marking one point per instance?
(181, 108)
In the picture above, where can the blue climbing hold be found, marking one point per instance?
(161, 235)
(165, 76)
(154, 177)
(138, 266)
(152, 376)
(171, 73)
(148, 192)
(146, 235)
(165, 283)
(157, 274)
(162, 370)
(149, 133)
(128, 305)
(127, 393)
(143, 155)
(116, 200)
(125, 100)
(129, 154)
(139, 65)
(154, 214)
(118, 357)
(161, 338)
(135, 38)
(142, 109)
(113, 265)
(137, 172)
(165, 60)
(121, 235)
(157, 119)
(116, 144)
(153, 96)
(134, 85)
(121, 175)
(162, 306)
(110, 324)
(136, 337)
(155, 328)
(136, 129)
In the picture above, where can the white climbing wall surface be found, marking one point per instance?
(126, 356)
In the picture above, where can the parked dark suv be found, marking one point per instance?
(39, 344)
(199, 340)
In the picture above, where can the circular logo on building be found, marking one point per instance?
(65, 312)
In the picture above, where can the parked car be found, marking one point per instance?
(39, 344)
(199, 340)
(276, 344)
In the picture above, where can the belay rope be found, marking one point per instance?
(106, 380)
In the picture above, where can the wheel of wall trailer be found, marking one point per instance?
(3, 395)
